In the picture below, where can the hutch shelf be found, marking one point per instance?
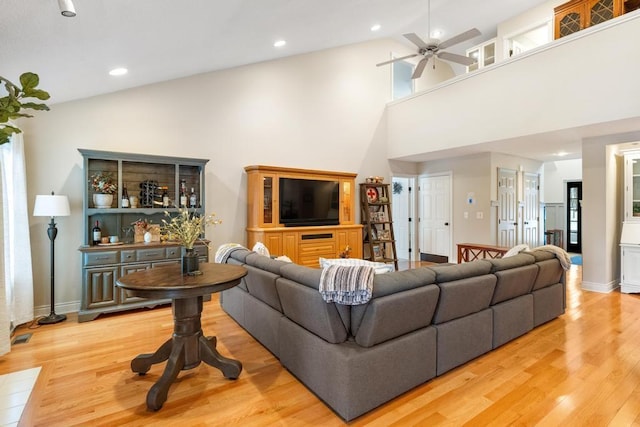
(148, 178)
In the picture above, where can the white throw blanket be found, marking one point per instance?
(223, 252)
(561, 254)
(348, 285)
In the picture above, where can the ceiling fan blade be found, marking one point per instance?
(464, 60)
(396, 59)
(469, 34)
(413, 38)
(420, 67)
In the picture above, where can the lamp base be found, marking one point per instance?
(51, 319)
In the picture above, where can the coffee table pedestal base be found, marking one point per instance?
(185, 350)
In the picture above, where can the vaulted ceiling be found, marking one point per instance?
(159, 40)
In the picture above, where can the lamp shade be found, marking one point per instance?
(51, 205)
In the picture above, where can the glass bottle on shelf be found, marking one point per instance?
(193, 199)
(165, 199)
(183, 193)
(97, 234)
(125, 197)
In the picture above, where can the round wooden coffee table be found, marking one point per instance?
(188, 346)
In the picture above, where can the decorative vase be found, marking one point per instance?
(102, 201)
(189, 261)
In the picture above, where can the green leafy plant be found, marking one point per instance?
(186, 227)
(12, 106)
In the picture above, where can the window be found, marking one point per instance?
(401, 81)
(529, 39)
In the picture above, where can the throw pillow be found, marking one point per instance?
(261, 249)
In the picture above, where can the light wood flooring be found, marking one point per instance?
(580, 369)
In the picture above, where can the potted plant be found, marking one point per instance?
(11, 105)
(186, 229)
(104, 187)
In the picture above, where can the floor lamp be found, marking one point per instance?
(52, 206)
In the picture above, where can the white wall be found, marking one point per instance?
(555, 176)
(319, 111)
(571, 83)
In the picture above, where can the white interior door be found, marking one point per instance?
(507, 207)
(530, 216)
(401, 211)
(435, 215)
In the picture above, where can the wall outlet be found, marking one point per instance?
(466, 215)
(479, 215)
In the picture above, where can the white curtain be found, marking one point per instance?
(16, 260)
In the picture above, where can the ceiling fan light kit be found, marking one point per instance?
(434, 47)
(66, 8)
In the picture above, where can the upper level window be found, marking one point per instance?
(401, 81)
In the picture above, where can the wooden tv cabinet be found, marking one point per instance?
(306, 244)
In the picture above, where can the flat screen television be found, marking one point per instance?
(308, 202)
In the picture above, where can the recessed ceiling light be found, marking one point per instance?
(121, 71)
(376, 27)
(280, 43)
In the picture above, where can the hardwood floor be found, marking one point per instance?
(580, 369)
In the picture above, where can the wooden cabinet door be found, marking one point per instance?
(290, 245)
(598, 11)
(100, 287)
(570, 20)
(127, 269)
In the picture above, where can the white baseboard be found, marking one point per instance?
(68, 307)
(604, 288)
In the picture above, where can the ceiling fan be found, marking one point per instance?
(434, 47)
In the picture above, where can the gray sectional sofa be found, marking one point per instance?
(418, 324)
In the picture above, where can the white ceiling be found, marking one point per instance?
(159, 40)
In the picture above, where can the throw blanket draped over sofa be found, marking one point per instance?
(418, 323)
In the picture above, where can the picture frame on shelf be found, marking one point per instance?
(378, 253)
(374, 233)
(384, 234)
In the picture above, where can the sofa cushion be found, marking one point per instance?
(239, 254)
(391, 283)
(463, 339)
(541, 255)
(262, 285)
(305, 275)
(397, 314)
(386, 284)
(265, 263)
(550, 272)
(310, 277)
(449, 273)
(464, 297)
(514, 282)
(511, 262)
(305, 306)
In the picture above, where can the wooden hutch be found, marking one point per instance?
(304, 244)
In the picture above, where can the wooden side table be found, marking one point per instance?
(188, 346)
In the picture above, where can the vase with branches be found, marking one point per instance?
(186, 228)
